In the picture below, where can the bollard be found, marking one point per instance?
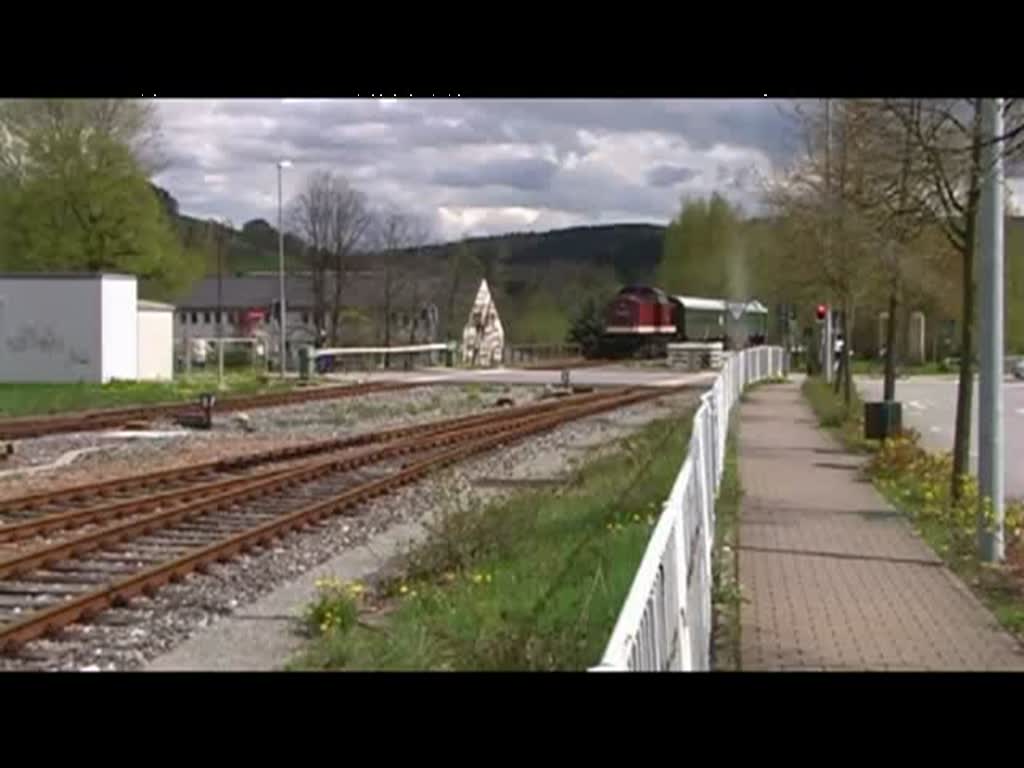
(206, 401)
(306, 362)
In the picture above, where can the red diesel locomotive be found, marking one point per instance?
(641, 310)
(641, 320)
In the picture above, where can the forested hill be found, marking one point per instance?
(631, 250)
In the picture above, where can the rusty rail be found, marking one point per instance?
(118, 485)
(108, 418)
(478, 439)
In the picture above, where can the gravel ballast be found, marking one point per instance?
(126, 638)
(103, 457)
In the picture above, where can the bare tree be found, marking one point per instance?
(827, 237)
(393, 232)
(945, 136)
(350, 224)
(333, 220)
(418, 237)
(311, 216)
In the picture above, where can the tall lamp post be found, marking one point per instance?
(221, 225)
(991, 458)
(281, 165)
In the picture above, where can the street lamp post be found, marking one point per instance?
(991, 541)
(281, 165)
(219, 235)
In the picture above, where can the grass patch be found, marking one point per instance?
(846, 423)
(534, 582)
(917, 483)
(726, 596)
(18, 399)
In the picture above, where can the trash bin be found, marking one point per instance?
(306, 362)
(882, 420)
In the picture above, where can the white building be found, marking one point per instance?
(243, 305)
(68, 327)
(155, 341)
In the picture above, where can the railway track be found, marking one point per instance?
(46, 513)
(111, 418)
(115, 555)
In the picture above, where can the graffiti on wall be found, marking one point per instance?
(44, 340)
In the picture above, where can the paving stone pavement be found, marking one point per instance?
(837, 579)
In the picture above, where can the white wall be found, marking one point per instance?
(156, 345)
(51, 329)
(120, 328)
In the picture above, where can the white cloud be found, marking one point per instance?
(474, 166)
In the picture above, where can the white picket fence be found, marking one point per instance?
(665, 623)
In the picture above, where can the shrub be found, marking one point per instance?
(336, 608)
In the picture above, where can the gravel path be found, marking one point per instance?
(125, 638)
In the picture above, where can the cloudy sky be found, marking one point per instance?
(475, 166)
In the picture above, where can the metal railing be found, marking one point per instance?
(665, 623)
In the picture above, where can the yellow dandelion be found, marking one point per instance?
(404, 589)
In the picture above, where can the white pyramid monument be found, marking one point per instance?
(483, 338)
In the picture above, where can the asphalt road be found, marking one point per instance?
(929, 406)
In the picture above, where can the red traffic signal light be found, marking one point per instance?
(822, 311)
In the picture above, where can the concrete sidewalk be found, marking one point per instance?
(837, 579)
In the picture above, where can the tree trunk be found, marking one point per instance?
(890, 350)
(836, 372)
(965, 386)
(453, 291)
(387, 314)
(336, 308)
(848, 324)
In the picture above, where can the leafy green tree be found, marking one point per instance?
(587, 327)
(703, 252)
(75, 196)
(542, 320)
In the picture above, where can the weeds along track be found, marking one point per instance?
(114, 555)
(111, 418)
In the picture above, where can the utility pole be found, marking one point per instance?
(991, 541)
(281, 165)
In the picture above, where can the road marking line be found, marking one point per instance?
(934, 429)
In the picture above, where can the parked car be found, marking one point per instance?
(1018, 369)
